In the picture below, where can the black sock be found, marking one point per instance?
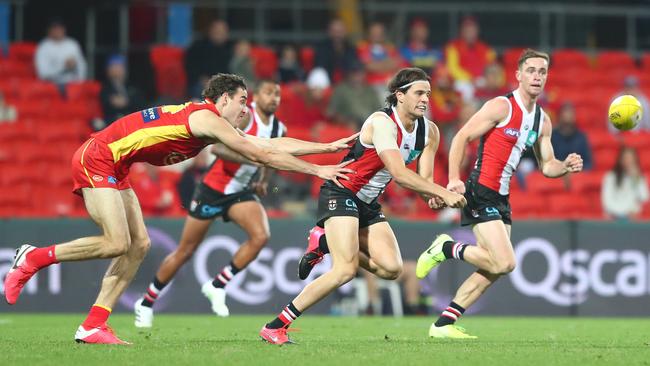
(454, 250)
(284, 319)
(322, 244)
(226, 274)
(450, 314)
(153, 291)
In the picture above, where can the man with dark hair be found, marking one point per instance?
(357, 231)
(507, 126)
(208, 56)
(228, 191)
(336, 53)
(163, 135)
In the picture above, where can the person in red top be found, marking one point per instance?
(381, 58)
(227, 190)
(467, 57)
(506, 126)
(162, 135)
(357, 231)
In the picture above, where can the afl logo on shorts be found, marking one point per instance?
(98, 178)
(174, 158)
(331, 205)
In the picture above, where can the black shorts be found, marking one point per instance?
(208, 204)
(484, 204)
(334, 201)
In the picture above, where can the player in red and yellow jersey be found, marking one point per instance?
(160, 136)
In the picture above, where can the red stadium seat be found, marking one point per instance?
(13, 69)
(637, 140)
(611, 60)
(265, 61)
(604, 159)
(569, 58)
(168, 66)
(644, 160)
(511, 57)
(83, 91)
(645, 62)
(525, 205)
(586, 182)
(307, 58)
(39, 91)
(23, 51)
(603, 139)
(537, 183)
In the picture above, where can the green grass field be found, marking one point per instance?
(29, 339)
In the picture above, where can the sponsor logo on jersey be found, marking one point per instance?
(112, 180)
(98, 178)
(150, 114)
(174, 158)
(491, 211)
(412, 156)
(512, 132)
(532, 137)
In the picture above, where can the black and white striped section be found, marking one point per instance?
(287, 316)
(451, 313)
(225, 275)
(152, 293)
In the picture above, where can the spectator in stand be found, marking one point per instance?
(242, 63)
(59, 58)
(379, 56)
(208, 56)
(631, 87)
(567, 138)
(495, 84)
(289, 69)
(467, 57)
(117, 97)
(312, 102)
(418, 52)
(191, 177)
(7, 112)
(353, 100)
(155, 196)
(624, 189)
(336, 53)
(445, 100)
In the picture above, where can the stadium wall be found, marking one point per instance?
(564, 268)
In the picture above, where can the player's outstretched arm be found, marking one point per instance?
(548, 164)
(426, 165)
(298, 147)
(384, 139)
(224, 152)
(492, 112)
(208, 126)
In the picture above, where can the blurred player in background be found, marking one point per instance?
(160, 136)
(507, 126)
(357, 231)
(228, 191)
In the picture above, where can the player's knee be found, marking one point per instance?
(391, 272)
(259, 239)
(115, 248)
(505, 267)
(346, 273)
(140, 246)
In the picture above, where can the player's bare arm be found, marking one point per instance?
(298, 147)
(207, 125)
(382, 134)
(224, 152)
(548, 164)
(426, 165)
(492, 112)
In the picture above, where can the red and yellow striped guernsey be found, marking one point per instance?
(158, 135)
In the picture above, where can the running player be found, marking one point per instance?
(227, 191)
(160, 136)
(357, 231)
(507, 126)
